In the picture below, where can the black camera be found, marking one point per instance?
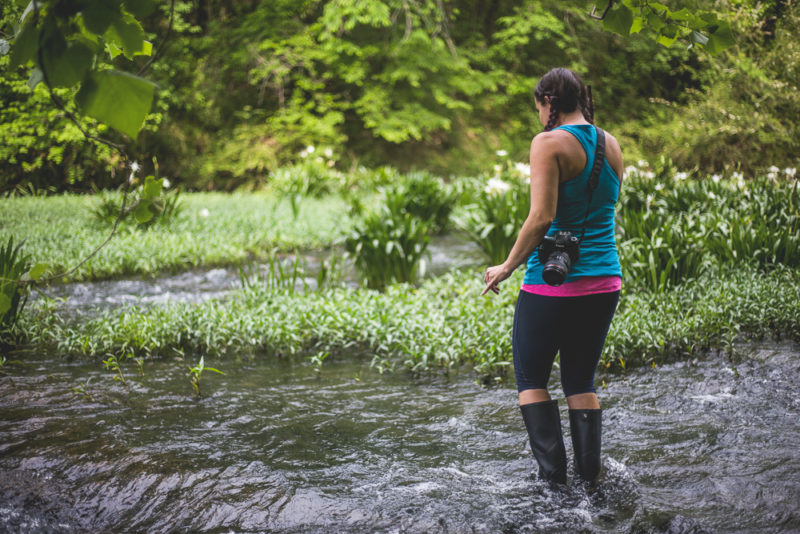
(557, 253)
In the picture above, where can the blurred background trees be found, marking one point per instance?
(244, 86)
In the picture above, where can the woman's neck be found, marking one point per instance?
(575, 117)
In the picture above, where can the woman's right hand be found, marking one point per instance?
(493, 276)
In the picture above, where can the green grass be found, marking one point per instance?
(442, 323)
(62, 230)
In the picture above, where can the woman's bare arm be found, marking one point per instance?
(544, 198)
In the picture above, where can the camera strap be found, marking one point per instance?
(594, 177)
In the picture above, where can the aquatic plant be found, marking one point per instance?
(213, 229)
(82, 390)
(196, 374)
(387, 246)
(499, 210)
(140, 210)
(440, 324)
(112, 364)
(16, 273)
(423, 196)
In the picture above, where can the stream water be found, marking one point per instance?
(277, 446)
(444, 252)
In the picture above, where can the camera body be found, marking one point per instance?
(557, 253)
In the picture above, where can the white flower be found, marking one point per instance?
(328, 153)
(681, 175)
(498, 168)
(642, 163)
(790, 171)
(630, 169)
(649, 175)
(310, 149)
(502, 153)
(772, 175)
(203, 212)
(523, 168)
(773, 169)
(650, 199)
(303, 154)
(331, 163)
(711, 195)
(716, 178)
(496, 186)
(737, 176)
(659, 187)
(165, 183)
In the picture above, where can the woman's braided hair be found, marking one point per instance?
(566, 92)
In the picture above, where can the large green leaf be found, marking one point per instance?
(126, 34)
(5, 304)
(66, 67)
(116, 98)
(24, 46)
(618, 20)
(140, 8)
(720, 39)
(98, 16)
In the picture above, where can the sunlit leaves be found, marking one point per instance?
(116, 98)
(700, 28)
(64, 40)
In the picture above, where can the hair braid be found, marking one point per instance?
(552, 120)
(587, 106)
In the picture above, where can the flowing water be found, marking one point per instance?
(278, 446)
(444, 252)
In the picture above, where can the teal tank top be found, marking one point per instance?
(598, 250)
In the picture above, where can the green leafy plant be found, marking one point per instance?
(196, 373)
(423, 196)
(388, 246)
(82, 389)
(494, 220)
(16, 273)
(112, 364)
(149, 204)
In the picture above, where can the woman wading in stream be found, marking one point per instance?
(573, 276)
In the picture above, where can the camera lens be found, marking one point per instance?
(556, 269)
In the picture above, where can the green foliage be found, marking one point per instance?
(196, 373)
(113, 364)
(500, 207)
(423, 196)
(673, 229)
(387, 246)
(65, 42)
(211, 229)
(13, 295)
(147, 204)
(700, 28)
(17, 272)
(434, 327)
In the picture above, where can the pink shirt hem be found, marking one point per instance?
(587, 285)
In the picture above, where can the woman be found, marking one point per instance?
(572, 318)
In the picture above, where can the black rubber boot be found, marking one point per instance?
(547, 443)
(585, 427)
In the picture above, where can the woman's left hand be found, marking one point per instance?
(493, 277)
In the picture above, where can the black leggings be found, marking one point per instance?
(574, 326)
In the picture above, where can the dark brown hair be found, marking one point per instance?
(566, 92)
